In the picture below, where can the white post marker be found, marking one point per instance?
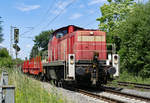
(116, 64)
(109, 59)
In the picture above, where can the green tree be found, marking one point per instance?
(5, 58)
(4, 53)
(1, 35)
(135, 41)
(42, 39)
(41, 43)
(34, 51)
(113, 14)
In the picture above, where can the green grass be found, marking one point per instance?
(28, 90)
(127, 77)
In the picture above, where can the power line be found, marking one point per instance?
(43, 18)
(83, 1)
(26, 31)
(59, 13)
(52, 20)
(49, 9)
(28, 37)
(91, 22)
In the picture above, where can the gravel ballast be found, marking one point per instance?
(140, 93)
(75, 97)
(71, 96)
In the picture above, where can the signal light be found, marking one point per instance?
(15, 46)
(16, 35)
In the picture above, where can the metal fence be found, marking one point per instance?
(7, 92)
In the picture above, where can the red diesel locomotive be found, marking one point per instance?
(76, 55)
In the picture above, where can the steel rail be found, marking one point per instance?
(137, 85)
(146, 99)
(104, 98)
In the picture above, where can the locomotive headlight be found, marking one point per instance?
(71, 60)
(115, 59)
(91, 33)
(94, 66)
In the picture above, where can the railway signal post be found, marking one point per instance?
(16, 40)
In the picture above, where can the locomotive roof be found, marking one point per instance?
(76, 28)
(65, 27)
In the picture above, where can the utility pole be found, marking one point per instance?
(16, 51)
(11, 41)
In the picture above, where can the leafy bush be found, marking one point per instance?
(6, 62)
(135, 41)
(4, 53)
(5, 59)
(129, 77)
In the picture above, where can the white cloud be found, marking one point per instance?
(24, 7)
(75, 16)
(60, 6)
(92, 2)
(28, 46)
(2, 45)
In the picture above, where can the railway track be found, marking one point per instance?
(127, 95)
(136, 85)
(113, 96)
(101, 97)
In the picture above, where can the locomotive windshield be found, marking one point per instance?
(61, 33)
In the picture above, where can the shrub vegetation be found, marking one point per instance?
(135, 41)
(127, 24)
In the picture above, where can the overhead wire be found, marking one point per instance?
(59, 13)
(43, 18)
(91, 22)
(53, 19)
(48, 10)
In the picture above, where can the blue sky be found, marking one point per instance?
(40, 14)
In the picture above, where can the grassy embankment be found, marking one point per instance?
(29, 90)
(127, 77)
